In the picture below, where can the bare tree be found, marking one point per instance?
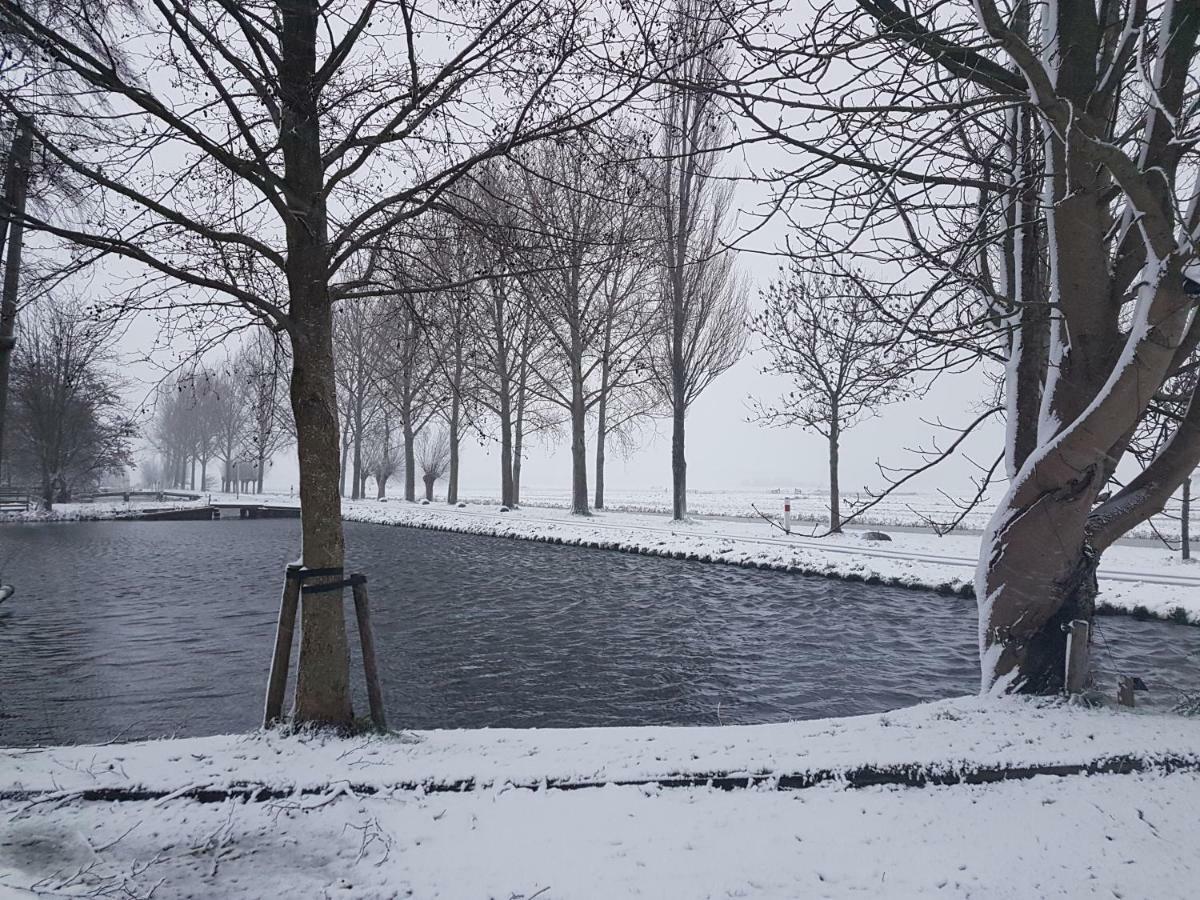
(262, 366)
(433, 456)
(704, 307)
(407, 366)
(580, 225)
(357, 348)
(505, 336)
(297, 133)
(843, 359)
(70, 426)
(383, 453)
(1039, 164)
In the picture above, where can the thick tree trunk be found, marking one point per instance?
(380, 487)
(323, 680)
(16, 178)
(835, 496)
(429, 480)
(1037, 574)
(262, 472)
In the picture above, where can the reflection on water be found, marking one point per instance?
(136, 629)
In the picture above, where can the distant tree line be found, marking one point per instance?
(229, 420)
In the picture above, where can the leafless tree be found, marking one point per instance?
(297, 133)
(842, 357)
(1039, 161)
(357, 347)
(383, 453)
(70, 426)
(433, 456)
(261, 368)
(704, 306)
(506, 337)
(581, 245)
(408, 366)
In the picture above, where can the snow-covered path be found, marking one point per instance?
(344, 818)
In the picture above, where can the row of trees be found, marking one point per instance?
(1019, 179)
(234, 415)
(539, 295)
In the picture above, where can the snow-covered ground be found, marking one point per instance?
(478, 814)
(1145, 579)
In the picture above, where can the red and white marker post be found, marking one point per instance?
(787, 514)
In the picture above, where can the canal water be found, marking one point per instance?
(124, 630)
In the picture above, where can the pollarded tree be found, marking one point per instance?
(297, 133)
(826, 334)
(433, 456)
(383, 453)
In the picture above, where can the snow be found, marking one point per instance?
(373, 825)
(1131, 577)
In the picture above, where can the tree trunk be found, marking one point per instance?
(323, 679)
(579, 491)
(262, 472)
(1185, 537)
(507, 491)
(601, 434)
(203, 472)
(410, 463)
(380, 486)
(344, 459)
(357, 477)
(678, 460)
(835, 498)
(452, 483)
(518, 439)
(429, 482)
(192, 483)
(16, 179)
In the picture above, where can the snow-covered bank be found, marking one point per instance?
(809, 506)
(1138, 580)
(363, 830)
(99, 511)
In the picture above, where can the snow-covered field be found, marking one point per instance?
(1144, 579)
(372, 817)
(809, 505)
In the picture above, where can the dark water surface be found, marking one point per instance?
(136, 629)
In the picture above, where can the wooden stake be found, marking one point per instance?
(284, 631)
(367, 636)
(1077, 657)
